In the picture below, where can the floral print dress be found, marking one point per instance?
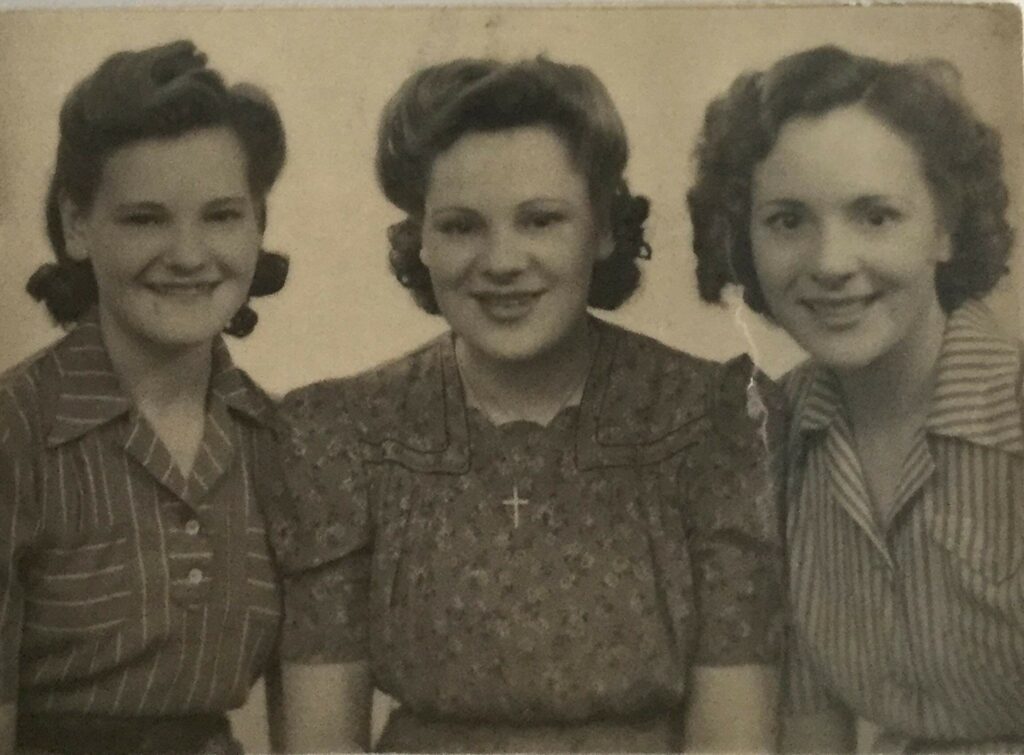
(527, 587)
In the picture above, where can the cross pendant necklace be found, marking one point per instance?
(515, 502)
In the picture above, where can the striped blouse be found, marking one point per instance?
(917, 623)
(127, 588)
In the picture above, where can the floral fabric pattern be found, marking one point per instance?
(528, 574)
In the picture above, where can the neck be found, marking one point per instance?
(158, 379)
(534, 389)
(896, 389)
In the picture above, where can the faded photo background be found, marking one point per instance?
(330, 71)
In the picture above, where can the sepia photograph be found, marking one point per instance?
(450, 378)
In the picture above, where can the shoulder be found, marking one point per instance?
(404, 396)
(654, 394)
(667, 385)
(27, 391)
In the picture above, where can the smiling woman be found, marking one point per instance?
(133, 454)
(862, 206)
(470, 526)
(170, 236)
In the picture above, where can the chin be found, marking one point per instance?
(513, 348)
(183, 335)
(843, 357)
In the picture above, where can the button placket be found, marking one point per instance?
(191, 577)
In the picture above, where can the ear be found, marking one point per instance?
(424, 255)
(73, 224)
(944, 249)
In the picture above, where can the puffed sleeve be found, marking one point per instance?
(321, 531)
(734, 538)
(17, 527)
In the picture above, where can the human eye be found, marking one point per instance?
(455, 225)
(141, 219)
(542, 219)
(878, 216)
(224, 215)
(784, 220)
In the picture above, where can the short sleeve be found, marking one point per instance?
(17, 528)
(734, 543)
(320, 530)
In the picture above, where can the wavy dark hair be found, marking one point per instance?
(161, 92)
(961, 159)
(439, 104)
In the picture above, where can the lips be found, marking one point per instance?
(840, 312)
(183, 289)
(507, 306)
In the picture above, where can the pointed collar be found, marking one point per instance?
(977, 390)
(90, 393)
(237, 390)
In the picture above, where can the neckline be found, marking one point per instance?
(575, 407)
(564, 419)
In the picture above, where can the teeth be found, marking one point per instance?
(841, 311)
(176, 288)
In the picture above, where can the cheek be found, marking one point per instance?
(447, 263)
(774, 267)
(117, 256)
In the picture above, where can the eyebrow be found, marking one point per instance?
(228, 199)
(143, 206)
(867, 200)
(151, 206)
(784, 202)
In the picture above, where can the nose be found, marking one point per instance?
(838, 255)
(188, 249)
(505, 254)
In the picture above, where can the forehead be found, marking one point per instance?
(510, 165)
(846, 152)
(198, 162)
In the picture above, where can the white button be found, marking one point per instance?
(192, 527)
(195, 576)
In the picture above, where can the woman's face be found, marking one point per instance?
(510, 240)
(846, 236)
(172, 236)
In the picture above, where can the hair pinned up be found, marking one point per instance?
(438, 105)
(163, 91)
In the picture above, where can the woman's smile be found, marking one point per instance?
(847, 238)
(183, 289)
(842, 312)
(507, 306)
(510, 240)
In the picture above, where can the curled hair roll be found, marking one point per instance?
(67, 289)
(160, 92)
(960, 156)
(440, 104)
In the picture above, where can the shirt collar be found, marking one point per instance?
(90, 393)
(820, 399)
(976, 396)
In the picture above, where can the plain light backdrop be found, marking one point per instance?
(330, 72)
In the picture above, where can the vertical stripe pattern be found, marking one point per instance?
(916, 624)
(127, 587)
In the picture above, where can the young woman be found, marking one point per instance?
(537, 532)
(861, 205)
(138, 601)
